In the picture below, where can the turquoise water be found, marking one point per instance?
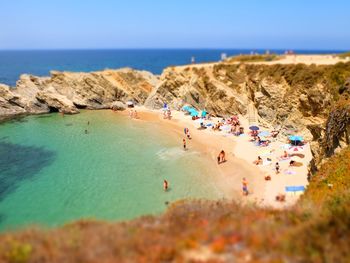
(51, 172)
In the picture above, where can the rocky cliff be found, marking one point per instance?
(68, 92)
(294, 97)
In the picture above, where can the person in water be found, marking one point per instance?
(86, 131)
(165, 185)
(245, 186)
(221, 157)
(184, 143)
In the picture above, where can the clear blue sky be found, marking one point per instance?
(56, 24)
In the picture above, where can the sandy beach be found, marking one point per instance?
(240, 154)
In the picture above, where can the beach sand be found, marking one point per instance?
(240, 154)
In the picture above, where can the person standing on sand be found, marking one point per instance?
(277, 168)
(165, 185)
(188, 134)
(184, 143)
(221, 157)
(245, 186)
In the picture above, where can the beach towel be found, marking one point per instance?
(283, 159)
(289, 172)
(265, 153)
(266, 163)
(295, 190)
(285, 146)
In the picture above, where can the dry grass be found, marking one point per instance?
(315, 230)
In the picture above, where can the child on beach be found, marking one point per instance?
(245, 186)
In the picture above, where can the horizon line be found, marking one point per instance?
(174, 48)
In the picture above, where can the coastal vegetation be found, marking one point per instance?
(316, 229)
(344, 55)
(254, 58)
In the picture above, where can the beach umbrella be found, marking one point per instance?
(186, 108)
(254, 128)
(204, 113)
(194, 113)
(264, 133)
(296, 138)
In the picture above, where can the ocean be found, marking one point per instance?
(52, 173)
(41, 62)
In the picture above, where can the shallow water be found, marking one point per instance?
(51, 172)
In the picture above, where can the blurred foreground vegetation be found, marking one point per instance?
(317, 229)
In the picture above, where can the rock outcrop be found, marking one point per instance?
(295, 97)
(68, 92)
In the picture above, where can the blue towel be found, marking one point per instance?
(295, 188)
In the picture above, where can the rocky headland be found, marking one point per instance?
(311, 100)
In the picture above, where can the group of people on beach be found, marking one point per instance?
(133, 114)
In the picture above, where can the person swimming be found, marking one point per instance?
(86, 131)
(165, 185)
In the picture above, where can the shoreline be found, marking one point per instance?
(240, 154)
(239, 162)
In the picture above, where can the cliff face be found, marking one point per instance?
(68, 92)
(294, 97)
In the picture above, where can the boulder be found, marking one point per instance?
(118, 106)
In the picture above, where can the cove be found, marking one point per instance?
(52, 172)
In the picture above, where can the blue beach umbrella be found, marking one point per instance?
(186, 108)
(264, 134)
(194, 112)
(296, 138)
(204, 113)
(254, 128)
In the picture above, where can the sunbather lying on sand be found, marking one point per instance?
(284, 155)
(258, 161)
